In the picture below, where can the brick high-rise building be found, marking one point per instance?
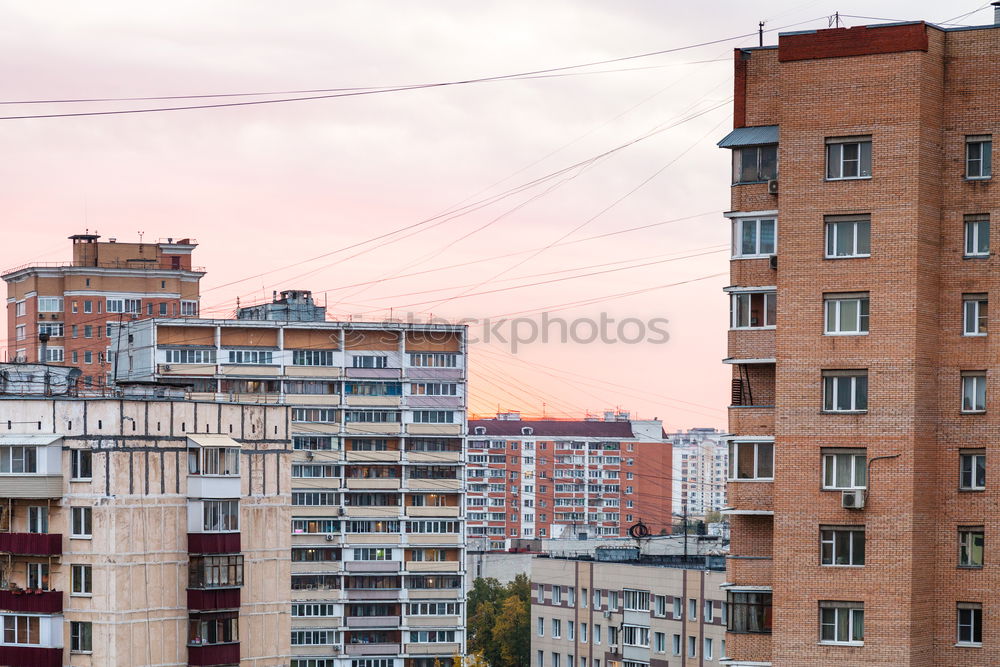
(565, 478)
(864, 408)
(74, 302)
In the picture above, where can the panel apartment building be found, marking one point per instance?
(616, 608)
(864, 378)
(377, 427)
(140, 531)
(74, 303)
(701, 463)
(556, 478)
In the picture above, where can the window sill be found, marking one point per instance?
(968, 644)
(81, 595)
(979, 178)
(844, 488)
(81, 652)
(844, 412)
(974, 335)
(847, 565)
(847, 256)
(847, 178)
(972, 412)
(969, 567)
(822, 643)
(750, 479)
(764, 256)
(81, 479)
(770, 327)
(980, 256)
(81, 537)
(971, 489)
(845, 333)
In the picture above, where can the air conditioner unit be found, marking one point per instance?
(853, 499)
(54, 316)
(341, 511)
(331, 537)
(772, 261)
(607, 613)
(772, 186)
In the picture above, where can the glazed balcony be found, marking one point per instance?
(213, 599)
(391, 622)
(374, 593)
(32, 602)
(372, 565)
(372, 649)
(214, 543)
(438, 649)
(31, 544)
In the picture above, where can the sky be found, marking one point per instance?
(519, 198)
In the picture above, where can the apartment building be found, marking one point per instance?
(616, 608)
(72, 304)
(140, 531)
(864, 401)
(377, 427)
(701, 464)
(555, 478)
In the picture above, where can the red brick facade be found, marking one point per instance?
(918, 92)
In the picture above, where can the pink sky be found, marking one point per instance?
(268, 187)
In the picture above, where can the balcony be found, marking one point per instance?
(388, 456)
(186, 369)
(31, 656)
(372, 649)
(750, 495)
(374, 593)
(434, 539)
(751, 344)
(433, 621)
(440, 374)
(380, 401)
(373, 482)
(372, 565)
(423, 511)
(749, 570)
(434, 429)
(31, 486)
(39, 602)
(751, 419)
(385, 428)
(214, 543)
(439, 649)
(214, 654)
(433, 457)
(749, 647)
(433, 566)
(373, 511)
(31, 544)
(213, 486)
(213, 599)
(434, 484)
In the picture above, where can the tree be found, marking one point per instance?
(499, 622)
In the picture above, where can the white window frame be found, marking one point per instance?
(77, 458)
(762, 451)
(81, 523)
(831, 388)
(978, 157)
(977, 225)
(840, 609)
(974, 609)
(81, 580)
(970, 462)
(740, 225)
(50, 304)
(833, 314)
(54, 354)
(738, 164)
(975, 314)
(830, 469)
(741, 304)
(973, 392)
(968, 547)
(832, 229)
(189, 308)
(831, 541)
(836, 162)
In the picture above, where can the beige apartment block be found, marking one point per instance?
(618, 609)
(140, 530)
(377, 426)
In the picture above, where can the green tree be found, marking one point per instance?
(499, 621)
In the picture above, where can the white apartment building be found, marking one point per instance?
(700, 468)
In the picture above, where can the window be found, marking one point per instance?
(190, 356)
(53, 329)
(82, 580)
(50, 304)
(693, 609)
(557, 595)
(975, 314)
(81, 638)
(659, 642)
(18, 459)
(842, 545)
(583, 632)
(845, 469)
(636, 600)
(81, 464)
(372, 416)
(314, 498)
(433, 417)
(123, 306)
(597, 634)
(846, 314)
(977, 235)
(434, 389)
(678, 609)
(841, 622)
(970, 623)
(313, 358)
(612, 600)
(21, 630)
(754, 164)
(974, 391)
(749, 612)
(434, 360)
(709, 611)
(635, 635)
(221, 516)
(319, 415)
(314, 637)
(570, 631)
(38, 519)
(753, 237)
(215, 571)
(752, 310)
(845, 391)
(370, 361)
(970, 546)
(848, 236)
(20, 332)
(978, 156)
(80, 522)
(315, 526)
(54, 354)
(676, 645)
(692, 646)
(751, 460)
(708, 649)
(972, 470)
(541, 626)
(189, 308)
(661, 605)
(314, 610)
(163, 308)
(556, 628)
(251, 356)
(848, 157)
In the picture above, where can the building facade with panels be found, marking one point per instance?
(140, 531)
(377, 426)
(701, 464)
(627, 611)
(552, 478)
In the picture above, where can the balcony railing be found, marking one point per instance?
(212, 599)
(31, 544)
(32, 602)
(214, 654)
(31, 656)
(214, 543)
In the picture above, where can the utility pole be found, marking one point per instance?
(685, 532)
(760, 34)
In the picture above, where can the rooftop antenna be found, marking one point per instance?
(760, 33)
(834, 20)
(140, 236)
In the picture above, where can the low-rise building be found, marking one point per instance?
(615, 608)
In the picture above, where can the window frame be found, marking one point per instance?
(968, 476)
(85, 523)
(829, 553)
(81, 637)
(739, 231)
(81, 580)
(975, 312)
(974, 623)
(984, 143)
(833, 305)
(977, 379)
(768, 309)
(829, 473)
(735, 460)
(833, 378)
(835, 146)
(851, 609)
(968, 549)
(972, 247)
(831, 234)
(762, 176)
